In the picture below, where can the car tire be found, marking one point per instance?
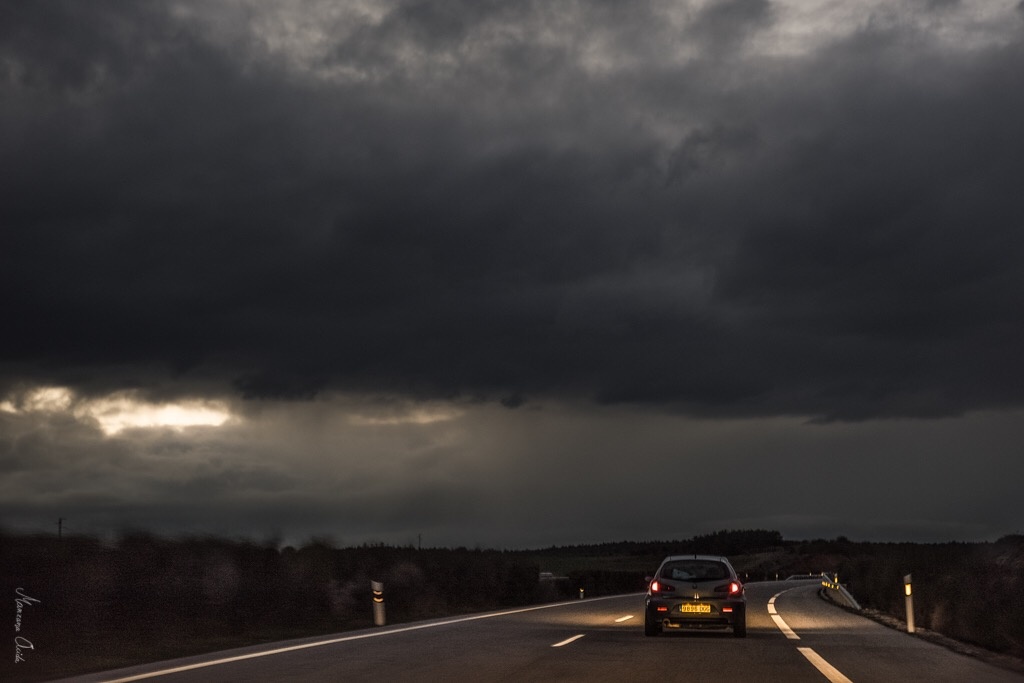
(739, 626)
(651, 627)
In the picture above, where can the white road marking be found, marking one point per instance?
(625, 618)
(568, 640)
(830, 672)
(783, 626)
(332, 641)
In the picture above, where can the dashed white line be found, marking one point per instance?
(783, 626)
(830, 672)
(568, 640)
(625, 618)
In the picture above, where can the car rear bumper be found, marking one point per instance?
(721, 613)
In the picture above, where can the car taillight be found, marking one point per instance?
(733, 588)
(657, 587)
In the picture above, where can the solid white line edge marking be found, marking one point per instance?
(332, 641)
(568, 640)
(830, 672)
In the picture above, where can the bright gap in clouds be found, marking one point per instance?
(120, 411)
(123, 412)
(418, 416)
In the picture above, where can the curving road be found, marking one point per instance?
(793, 636)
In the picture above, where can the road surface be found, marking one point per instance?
(793, 636)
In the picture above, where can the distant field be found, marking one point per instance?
(564, 564)
(754, 565)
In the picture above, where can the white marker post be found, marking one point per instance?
(910, 603)
(378, 602)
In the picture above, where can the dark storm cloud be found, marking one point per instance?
(284, 468)
(721, 27)
(529, 477)
(510, 201)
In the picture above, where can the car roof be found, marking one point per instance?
(672, 558)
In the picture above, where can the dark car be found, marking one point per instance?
(695, 592)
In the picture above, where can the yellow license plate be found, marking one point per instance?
(695, 609)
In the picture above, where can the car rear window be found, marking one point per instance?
(694, 570)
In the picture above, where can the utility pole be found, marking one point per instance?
(60, 528)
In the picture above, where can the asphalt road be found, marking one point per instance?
(598, 639)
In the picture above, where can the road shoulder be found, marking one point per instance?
(994, 658)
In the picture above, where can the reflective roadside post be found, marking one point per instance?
(378, 602)
(910, 603)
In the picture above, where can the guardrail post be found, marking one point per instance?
(378, 602)
(910, 603)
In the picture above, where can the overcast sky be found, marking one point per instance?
(513, 274)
